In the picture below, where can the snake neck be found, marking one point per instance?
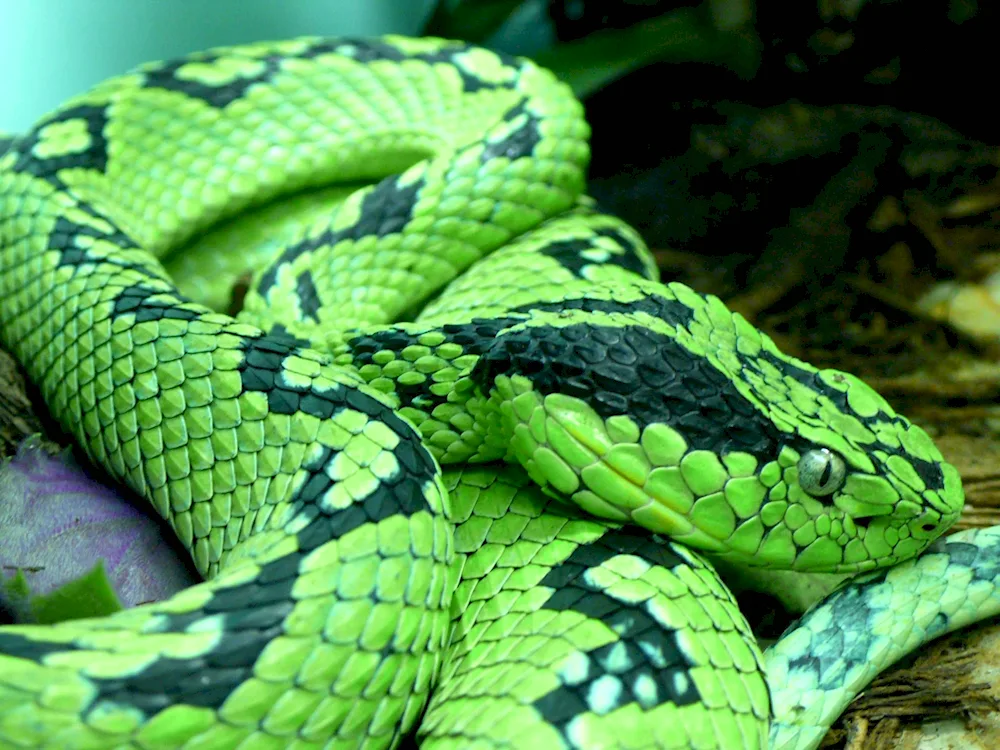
(436, 379)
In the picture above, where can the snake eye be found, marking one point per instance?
(821, 472)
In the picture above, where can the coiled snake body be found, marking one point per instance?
(596, 428)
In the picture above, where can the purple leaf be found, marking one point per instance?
(56, 523)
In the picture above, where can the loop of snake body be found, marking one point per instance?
(455, 472)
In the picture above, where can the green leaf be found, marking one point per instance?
(470, 20)
(684, 35)
(90, 595)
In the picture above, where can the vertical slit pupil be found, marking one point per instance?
(827, 471)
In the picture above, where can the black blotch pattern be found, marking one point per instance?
(363, 348)
(519, 142)
(309, 302)
(280, 332)
(477, 336)
(386, 209)
(966, 554)
(252, 615)
(138, 300)
(653, 654)
(261, 370)
(983, 561)
(635, 371)
(357, 48)
(165, 77)
(364, 345)
(569, 254)
(670, 311)
(63, 236)
(401, 494)
(838, 642)
(360, 49)
(370, 50)
(929, 471)
(94, 157)
(629, 260)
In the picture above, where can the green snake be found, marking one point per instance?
(455, 471)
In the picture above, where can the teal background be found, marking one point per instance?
(53, 49)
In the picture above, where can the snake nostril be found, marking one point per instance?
(928, 527)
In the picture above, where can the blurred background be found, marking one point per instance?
(802, 160)
(52, 49)
(786, 143)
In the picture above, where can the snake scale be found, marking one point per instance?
(455, 472)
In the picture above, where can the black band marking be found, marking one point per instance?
(627, 370)
(630, 259)
(385, 209)
(519, 142)
(570, 254)
(308, 295)
(638, 372)
(670, 311)
(262, 371)
(218, 96)
(93, 157)
(369, 50)
(165, 76)
(252, 614)
(138, 300)
(63, 237)
(652, 652)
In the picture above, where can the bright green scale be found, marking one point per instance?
(355, 593)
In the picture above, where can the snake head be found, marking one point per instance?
(692, 424)
(864, 487)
